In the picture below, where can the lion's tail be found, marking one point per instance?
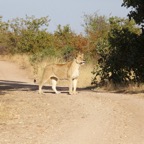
(35, 80)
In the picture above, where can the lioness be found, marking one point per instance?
(68, 71)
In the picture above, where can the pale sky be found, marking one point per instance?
(61, 11)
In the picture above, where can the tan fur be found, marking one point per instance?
(68, 71)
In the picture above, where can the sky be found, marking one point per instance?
(61, 12)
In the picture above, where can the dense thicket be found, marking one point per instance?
(121, 63)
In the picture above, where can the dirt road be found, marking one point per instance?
(86, 118)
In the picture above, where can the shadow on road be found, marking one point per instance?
(16, 86)
(6, 86)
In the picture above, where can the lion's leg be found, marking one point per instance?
(70, 86)
(74, 86)
(40, 87)
(54, 82)
(42, 82)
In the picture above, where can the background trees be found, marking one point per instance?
(96, 29)
(30, 36)
(3, 36)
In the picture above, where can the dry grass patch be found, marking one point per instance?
(21, 60)
(85, 77)
(134, 88)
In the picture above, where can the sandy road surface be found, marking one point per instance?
(87, 118)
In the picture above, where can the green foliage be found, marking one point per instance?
(137, 11)
(68, 42)
(28, 35)
(3, 36)
(120, 64)
(96, 28)
(64, 37)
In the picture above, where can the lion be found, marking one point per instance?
(68, 71)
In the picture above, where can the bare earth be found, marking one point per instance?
(86, 118)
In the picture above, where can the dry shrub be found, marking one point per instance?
(135, 88)
(130, 88)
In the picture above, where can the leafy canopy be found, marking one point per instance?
(137, 10)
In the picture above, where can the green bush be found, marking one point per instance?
(121, 64)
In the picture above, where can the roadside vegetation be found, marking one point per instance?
(113, 46)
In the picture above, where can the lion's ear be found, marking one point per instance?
(75, 55)
(79, 53)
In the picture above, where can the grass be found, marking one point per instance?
(85, 77)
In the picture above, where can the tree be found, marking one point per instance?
(3, 36)
(96, 28)
(122, 63)
(29, 35)
(68, 42)
(137, 11)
